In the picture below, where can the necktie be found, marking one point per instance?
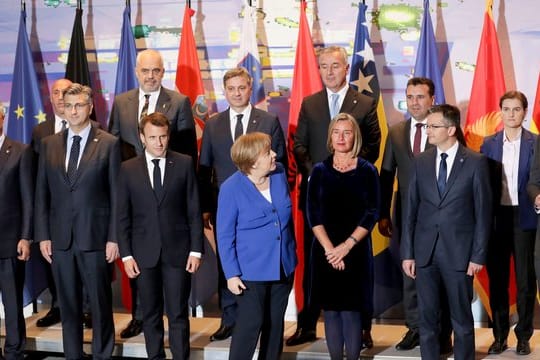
(239, 128)
(441, 179)
(64, 125)
(417, 139)
(334, 105)
(144, 110)
(157, 178)
(73, 159)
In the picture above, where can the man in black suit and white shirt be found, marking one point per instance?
(310, 148)
(16, 208)
(161, 235)
(446, 230)
(74, 221)
(215, 163)
(128, 110)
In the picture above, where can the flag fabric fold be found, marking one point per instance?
(427, 60)
(77, 64)
(306, 81)
(189, 83)
(188, 73)
(386, 290)
(484, 119)
(535, 123)
(483, 115)
(248, 56)
(126, 80)
(26, 111)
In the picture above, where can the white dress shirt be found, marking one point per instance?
(245, 119)
(451, 152)
(423, 140)
(510, 163)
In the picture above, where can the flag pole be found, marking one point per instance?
(23, 5)
(188, 2)
(79, 4)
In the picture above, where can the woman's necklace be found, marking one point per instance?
(344, 165)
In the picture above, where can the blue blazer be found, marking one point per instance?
(255, 237)
(493, 149)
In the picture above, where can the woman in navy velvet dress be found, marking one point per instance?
(343, 203)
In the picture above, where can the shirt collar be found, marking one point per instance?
(83, 133)
(518, 138)
(342, 92)
(153, 94)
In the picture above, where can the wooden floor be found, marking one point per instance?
(385, 337)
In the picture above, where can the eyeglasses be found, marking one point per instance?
(427, 127)
(77, 106)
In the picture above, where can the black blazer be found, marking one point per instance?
(169, 226)
(124, 122)
(16, 196)
(312, 131)
(83, 212)
(217, 142)
(398, 156)
(459, 220)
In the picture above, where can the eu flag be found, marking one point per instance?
(127, 57)
(427, 62)
(26, 108)
(25, 111)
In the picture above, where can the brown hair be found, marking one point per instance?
(156, 119)
(514, 94)
(239, 71)
(247, 148)
(356, 130)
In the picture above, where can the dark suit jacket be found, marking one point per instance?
(45, 129)
(459, 221)
(398, 156)
(165, 228)
(16, 196)
(312, 131)
(83, 212)
(493, 149)
(124, 122)
(217, 142)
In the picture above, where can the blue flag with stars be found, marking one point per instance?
(427, 61)
(363, 75)
(25, 111)
(127, 57)
(25, 106)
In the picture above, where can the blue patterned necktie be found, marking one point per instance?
(441, 179)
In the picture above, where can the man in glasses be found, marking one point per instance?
(446, 231)
(128, 110)
(74, 223)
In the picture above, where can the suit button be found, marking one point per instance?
(273, 210)
(276, 224)
(278, 238)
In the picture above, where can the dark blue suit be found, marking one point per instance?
(443, 233)
(256, 243)
(514, 233)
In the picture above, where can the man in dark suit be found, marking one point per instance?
(310, 148)
(74, 221)
(215, 164)
(16, 201)
(160, 234)
(405, 140)
(128, 110)
(55, 123)
(511, 153)
(446, 230)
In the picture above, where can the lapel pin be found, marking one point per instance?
(163, 106)
(461, 160)
(96, 140)
(8, 151)
(355, 101)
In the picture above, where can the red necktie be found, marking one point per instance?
(417, 139)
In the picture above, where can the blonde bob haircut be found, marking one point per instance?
(357, 145)
(247, 148)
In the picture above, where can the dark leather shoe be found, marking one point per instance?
(498, 346)
(224, 332)
(87, 320)
(51, 318)
(445, 347)
(409, 341)
(301, 336)
(367, 340)
(523, 347)
(134, 328)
